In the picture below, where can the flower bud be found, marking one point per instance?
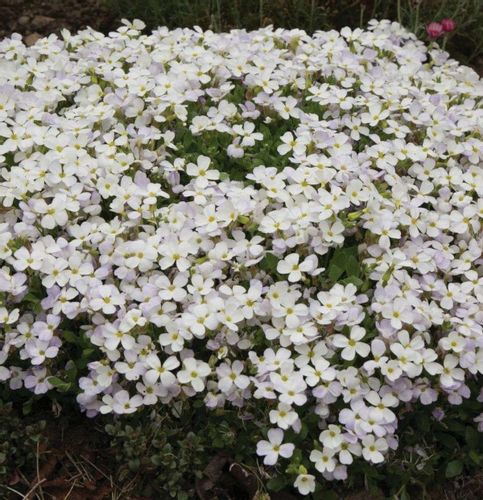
(434, 30)
(448, 25)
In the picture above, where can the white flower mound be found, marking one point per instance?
(172, 205)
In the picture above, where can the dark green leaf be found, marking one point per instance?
(335, 272)
(328, 495)
(454, 468)
(269, 263)
(59, 384)
(472, 437)
(475, 457)
(277, 483)
(70, 337)
(447, 440)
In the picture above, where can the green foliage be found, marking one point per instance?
(166, 452)
(169, 453)
(18, 442)
(344, 266)
(429, 450)
(158, 447)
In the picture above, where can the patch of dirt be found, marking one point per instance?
(72, 463)
(37, 18)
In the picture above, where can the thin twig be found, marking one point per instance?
(70, 491)
(95, 466)
(34, 487)
(78, 465)
(14, 491)
(39, 482)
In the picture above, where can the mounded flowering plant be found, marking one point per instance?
(281, 224)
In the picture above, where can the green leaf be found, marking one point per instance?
(70, 337)
(475, 457)
(328, 495)
(345, 261)
(354, 280)
(71, 371)
(454, 468)
(27, 406)
(447, 440)
(59, 384)
(269, 263)
(472, 437)
(86, 353)
(157, 460)
(30, 297)
(352, 267)
(134, 464)
(277, 483)
(304, 431)
(335, 272)
(404, 495)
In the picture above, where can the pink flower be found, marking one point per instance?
(448, 25)
(434, 30)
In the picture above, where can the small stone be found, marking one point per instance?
(32, 38)
(23, 20)
(39, 22)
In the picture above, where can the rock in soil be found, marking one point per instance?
(32, 38)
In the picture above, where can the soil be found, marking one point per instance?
(37, 18)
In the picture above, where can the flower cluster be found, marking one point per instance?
(256, 218)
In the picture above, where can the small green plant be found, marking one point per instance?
(18, 442)
(167, 454)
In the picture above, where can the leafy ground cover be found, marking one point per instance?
(251, 259)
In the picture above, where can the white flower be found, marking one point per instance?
(8, 317)
(194, 373)
(230, 376)
(284, 416)
(350, 346)
(372, 448)
(106, 299)
(53, 214)
(331, 437)
(324, 460)
(40, 350)
(201, 171)
(161, 371)
(305, 484)
(332, 232)
(382, 405)
(398, 313)
(451, 375)
(114, 336)
(121, 403)
(273, 448)
(290, 265)
(290, 143)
